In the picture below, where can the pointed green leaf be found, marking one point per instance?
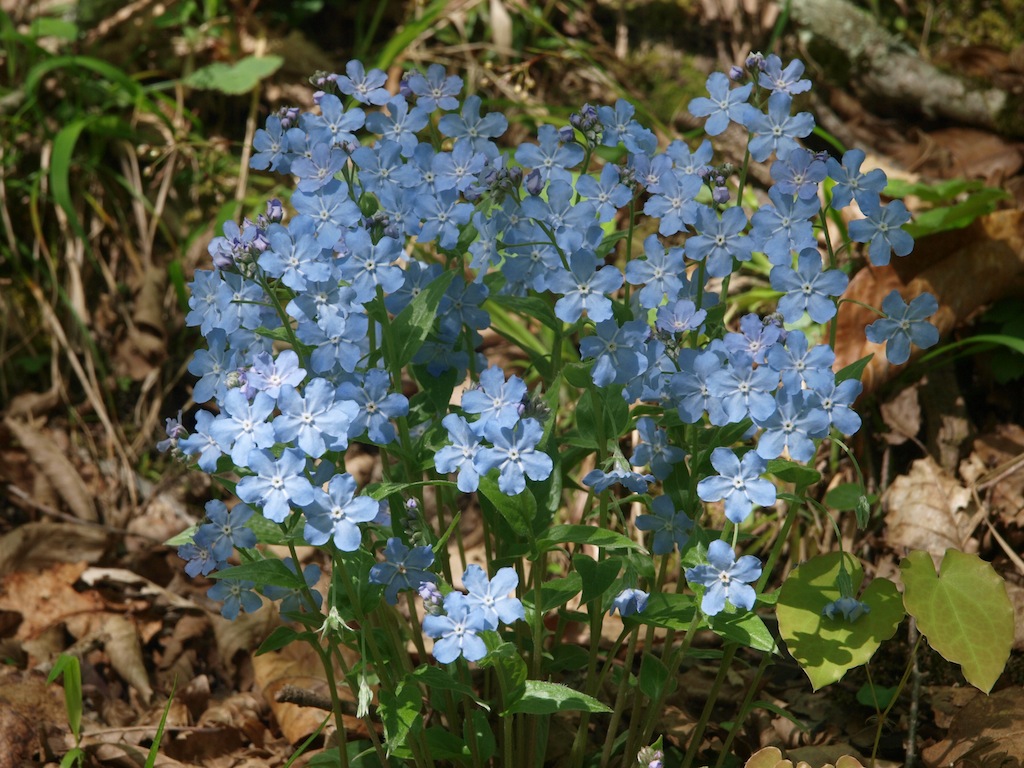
(586, 534)
(518, 511)
(234, 79)
(827, 648)
(411, 326)
(544, 698)
(262, 573)
(964, 612)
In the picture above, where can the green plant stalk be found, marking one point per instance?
(744, 710)
(698, 732)
(620, 697)
(892, 702)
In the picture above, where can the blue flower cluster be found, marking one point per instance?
(394, 190)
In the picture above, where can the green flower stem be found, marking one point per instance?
(339, 717)
(744, 710)
(651, 714)
(414, 621)
(620, 697)
(884, 716)
(698, 733)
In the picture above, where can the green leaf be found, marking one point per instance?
(746, 628)
(411, 326)
(586, 534)
(445, 745)
(68, 667)
(597, 576)
(654, 677)
(400, 712)
(281, 637)
(557, 592)
(509, 665)
(61, 161)
(380, 491)
(154, 749)
(234, 79)
(876, 696)
(854, 370)
(262, 573)
(437, 679)
(846, 497)
(666, 609)
(544, 698)
(827, 648)
(964, 612)
(791, 472)
(518, 511)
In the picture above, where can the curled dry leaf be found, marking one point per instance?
(121, 643)
(925, 510)
(295, 665)
(836, 756)
(54, 465)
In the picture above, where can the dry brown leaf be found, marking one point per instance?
(45, 598)
(27, 703)
(985, 732)
(924, 510)
(296, 664)
(121, 643)
(242, 712)
(902, 415)
(53, 463)
(138, 586)
(243, 634)
(32, 546)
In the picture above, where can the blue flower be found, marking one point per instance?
(881, 230)
(242, 426)
(436, 89)
(799, 365)
(399, 124)
(202, 442)
(403, 568)
(777, 130)
(836, 400)
(584, 287)
(673, 201)
(334, 514)
(794, 426)
(369, 264)
(334, 125)
(722, 106)
(600, 481)
(550, 157)
(200, 557)
(629, 602)
(798, 172)
(756, 339)
(671, 527)
(738, 482)
(456, 633)
(719, 240)
(319, 168)
(293, 599)
(679, 317)
(294, 257)
(469, 127)
(365, 87)
(460, 456)
(849, 608)
(659, 273)
(515, 455)
(496, 400)
(691, 389)
(654, 449)
(784, 226)
(808, 288)
(268, 374)
(851, 183)
(725, 578)
(491, 598)
(606, 193)
(619, 126)
(227, 530)
(237, 595)
(904, 325)
(616, 350)
(277, 484)
(310, 417)
(376, 406)
(775, 78)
